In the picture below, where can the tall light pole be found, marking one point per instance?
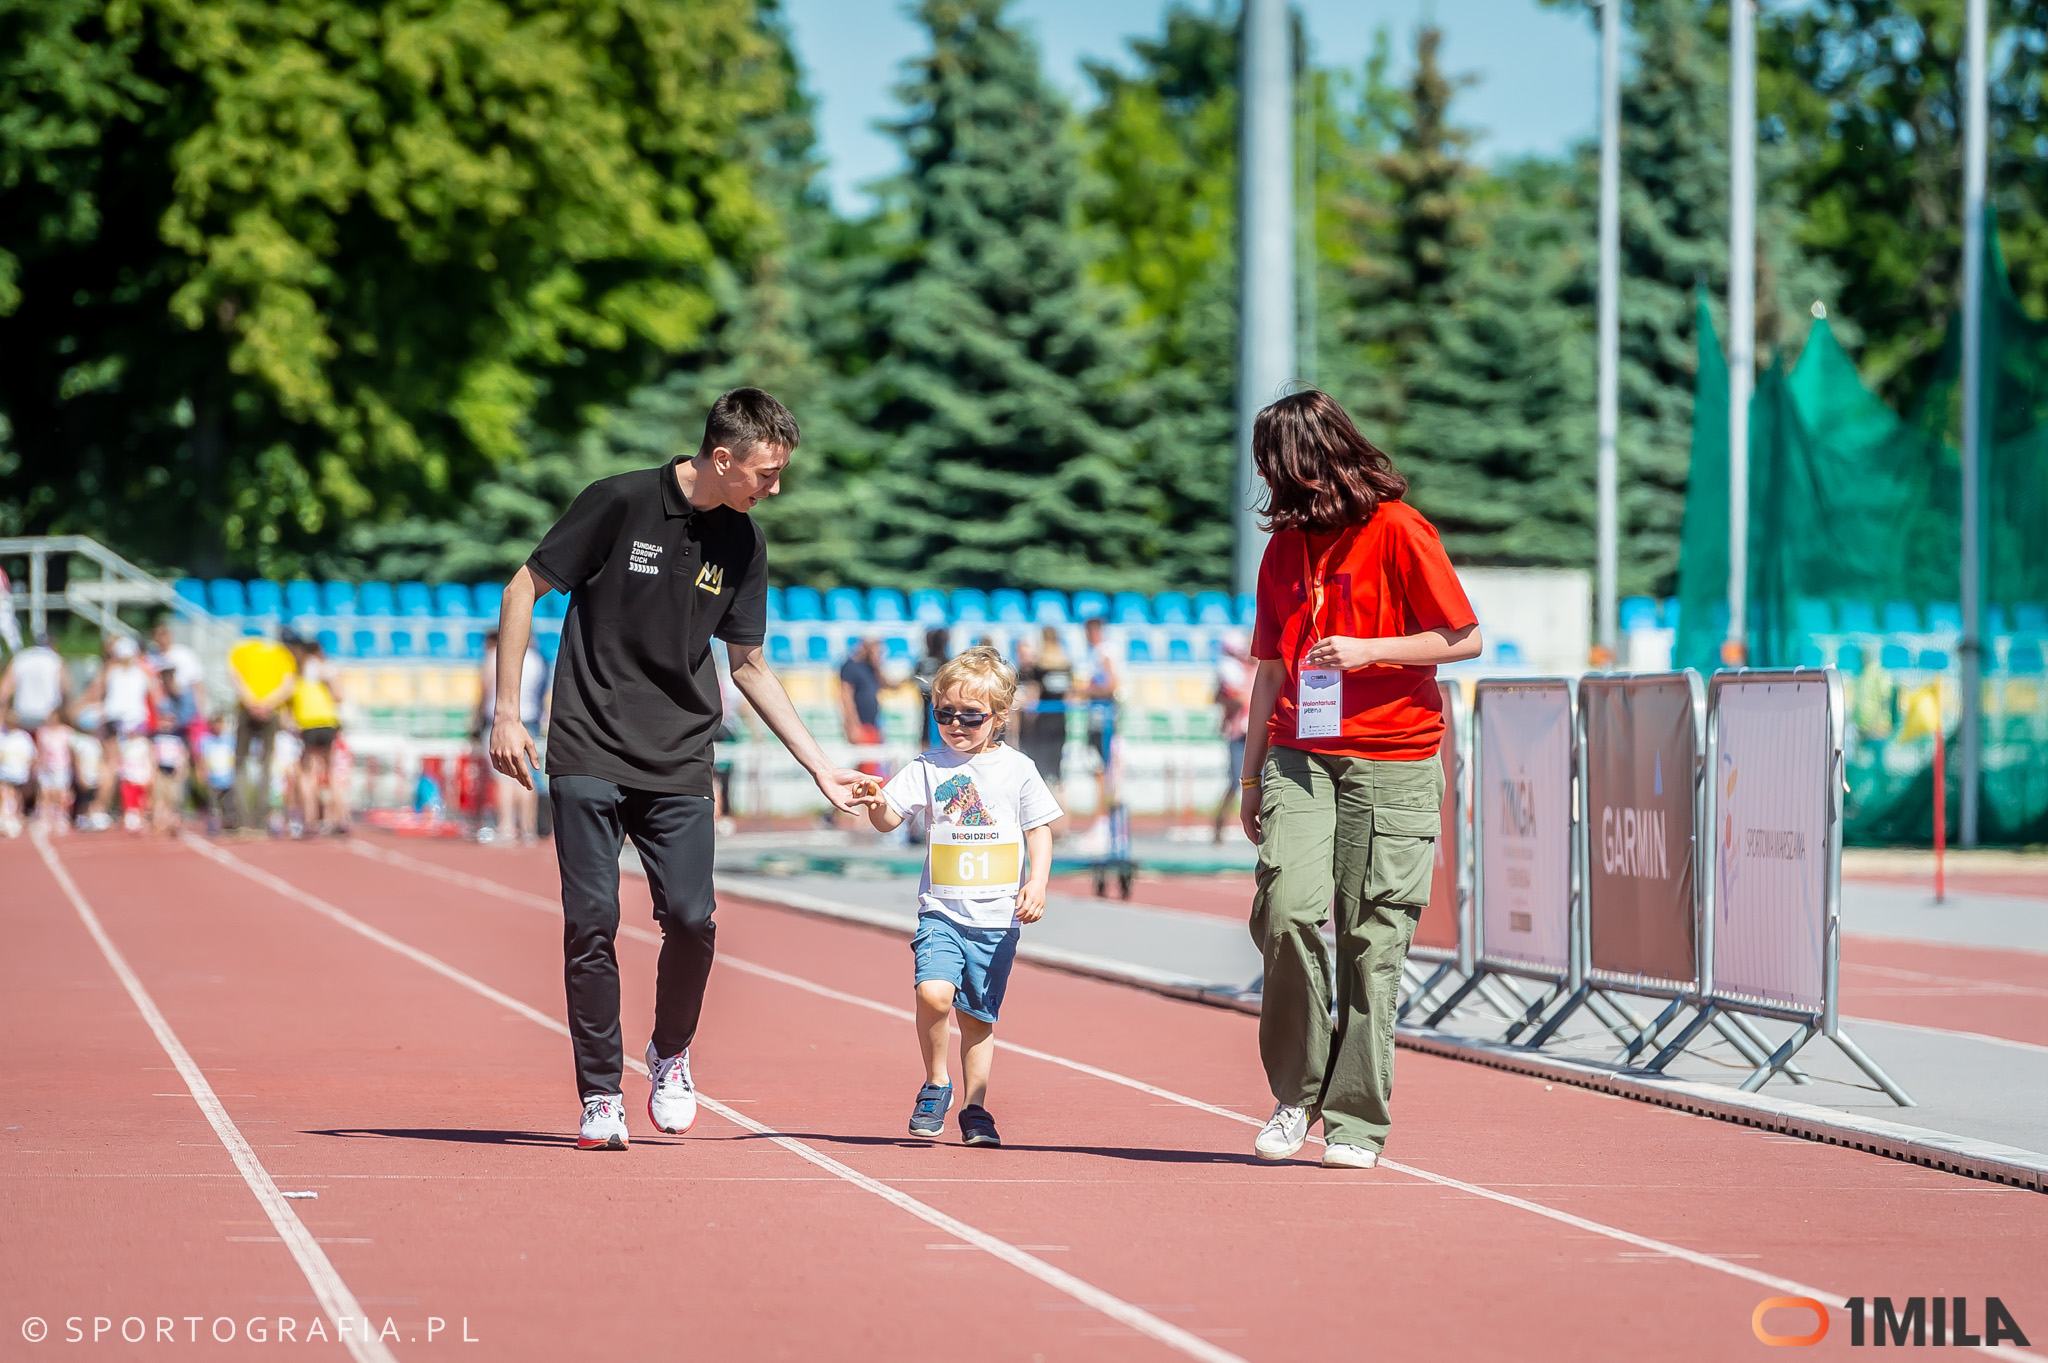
(1266, 312)
(1610, 322)
(1741, 311)
(1975, 427)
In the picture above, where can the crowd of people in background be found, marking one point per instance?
(139, 744)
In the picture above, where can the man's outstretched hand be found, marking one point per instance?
(849, 791)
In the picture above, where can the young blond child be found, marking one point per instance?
(990, 812)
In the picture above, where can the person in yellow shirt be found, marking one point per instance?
(316, 710)
(265, 674)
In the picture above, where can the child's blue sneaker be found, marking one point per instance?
(928, 1117)
(977, 1127)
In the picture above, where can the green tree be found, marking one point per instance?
(277, 265)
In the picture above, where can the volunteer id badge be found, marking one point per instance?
(1319, 708)
(971, 861)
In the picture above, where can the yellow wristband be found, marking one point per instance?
(1250, 782)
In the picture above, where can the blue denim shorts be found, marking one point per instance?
(975, 961)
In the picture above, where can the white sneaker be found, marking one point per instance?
(1349, 1157)
(672, 1102)
(1283, 1133)
(604, 1123)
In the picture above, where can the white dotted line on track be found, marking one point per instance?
(1117, 1309)
(1641, 1242)
(328, 1288)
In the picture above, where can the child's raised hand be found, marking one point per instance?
(1030, 902)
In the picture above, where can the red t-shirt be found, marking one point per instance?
(1385, 579)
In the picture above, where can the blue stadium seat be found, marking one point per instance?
(1247, 610)
(1212, 608)
(802, 603)
(775, 603)
(437, 643)
(1009, 606)
(1179, 650)
(886, 604)
(553, 606)
(330, 642)
(402, 643)
(549, 644)
(1130, 609)
(970, 607)
(1812, 615)
(473, 647)
(1049, 608)
(451, 601)
(2024, 659)
(1894, 656)
(1638, 612)
(338, 598)
(1856, 617)
(1670, 615)
(1849, 657)
(414, 600)
(365, 643)
(487, 600)
(2030, 617)
(1810, 655)
(191, 589)
(266, 598)
(1507, 653)
(1171, 608)
(1140, 650)
(896, 646)
(818, 648)
(845, 604)
(1944, 617)
(779, 652)
(1933, 660)
(928, 607)
(1090, 605)
(1996, 621)
(301, 597)
(1901, 617)
(375, 598)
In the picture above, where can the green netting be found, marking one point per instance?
(1855, 548)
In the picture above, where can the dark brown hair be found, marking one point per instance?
(1321, 472)
(746, 418)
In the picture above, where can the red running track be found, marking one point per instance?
(381, 1034)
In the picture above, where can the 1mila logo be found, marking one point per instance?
(712, 579)
(1883, 1321)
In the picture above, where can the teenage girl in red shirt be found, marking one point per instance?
(1357, 604)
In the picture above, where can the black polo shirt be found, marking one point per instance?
(651, 582)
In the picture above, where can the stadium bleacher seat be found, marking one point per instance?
(1129, 608)
(1901, 617)
(473, 647)
(1893, 656)
(437, 643)
(1009, 606)
(338, 598)
(1212, 608)
(330, 643)
(1507, 653)
(970, 607)
(451, 601)
(191, 589)
(886, 604)
(1812, 615)
(301, 597)
(402, 644)
(486, 599)
(928, 607)
(896, 646)
(1855, 617)
(1171, 608)
(1849, 657)
(1247, 610)
(1670, 613)
(266, 598)
(779, 652)
(1996, 621)
(1944, 617)
(414, 600)
(1932, 660)
(844, 604)
(375, 598)
(817, 648)
(2025, 659)
(2030, 617)
(1089, 605)
(556, 604)
(1638, 612)
(1140, 650)
(365, 643)
(1049, 608)
(549, 644)
(225, 595)
(1810, 655)
(775, 603)
(1179, 650)
(802, 603)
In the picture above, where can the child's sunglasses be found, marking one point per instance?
(972, 719)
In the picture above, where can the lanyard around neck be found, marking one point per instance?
(1318, 572)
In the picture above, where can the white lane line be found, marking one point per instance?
(328, 1289)
(1117, 1309)
(1642, 1242)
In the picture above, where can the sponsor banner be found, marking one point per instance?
(1525, 808)
(1641, 737)
(1438, 927)
(1771, 812)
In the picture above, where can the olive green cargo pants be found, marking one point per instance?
(1358, 834)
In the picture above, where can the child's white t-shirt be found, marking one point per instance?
(998, 790)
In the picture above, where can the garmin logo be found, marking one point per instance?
(1632, 843)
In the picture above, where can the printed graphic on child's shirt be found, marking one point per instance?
(959, 802)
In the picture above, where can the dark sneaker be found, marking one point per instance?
(928, 1117)
(977, 1127)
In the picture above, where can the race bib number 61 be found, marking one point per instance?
(978, 863)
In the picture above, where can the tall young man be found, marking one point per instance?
(657, 563)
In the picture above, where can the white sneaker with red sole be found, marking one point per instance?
(672, 1102)
(604, 1123)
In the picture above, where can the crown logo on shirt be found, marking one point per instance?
(712, 579)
